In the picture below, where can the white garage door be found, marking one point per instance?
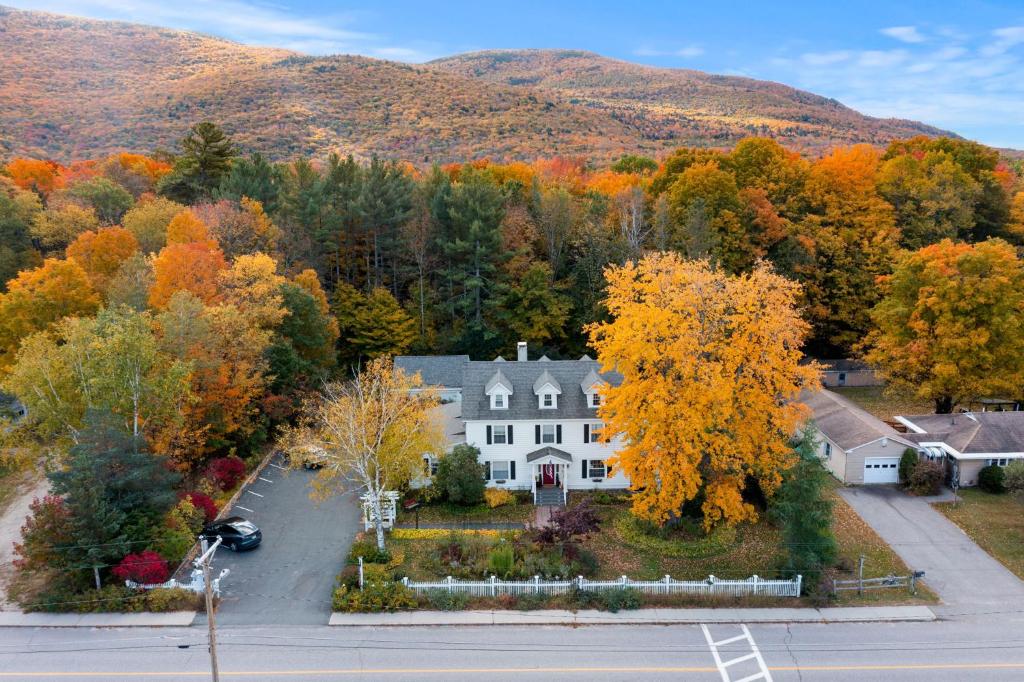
(881, 469)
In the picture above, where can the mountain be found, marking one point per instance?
(73, 88)
(682, 106)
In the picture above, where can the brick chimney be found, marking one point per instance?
(521, 351)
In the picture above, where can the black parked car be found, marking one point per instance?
(238, 533)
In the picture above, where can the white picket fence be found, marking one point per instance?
(752, 586)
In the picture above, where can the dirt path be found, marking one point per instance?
(11, 521)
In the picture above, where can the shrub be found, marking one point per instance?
(181, 526)
(376, 596)
(501, 560)
(47, 527)
(146, 567)
(226, 472)
(203, 502)
(992, 479)
(606, 600)
(637, 533)
(368, 550)
(460, 476)
(439, 533)
(162, 600)
(498, 497)
(926, 478)
(442, 600)
(567, 524)
(1014, 476)
(907, 462)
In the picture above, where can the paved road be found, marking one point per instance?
(975, 649)
(964, 576)
(288, 579)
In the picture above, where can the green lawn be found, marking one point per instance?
(875, 400)
(446, 513)
(994, 522)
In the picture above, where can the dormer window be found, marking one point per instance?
(498, 402)
(548, 401)
(499, 388)
(595, 399)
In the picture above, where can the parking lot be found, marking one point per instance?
(288, 579)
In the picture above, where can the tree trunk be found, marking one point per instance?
(378, 521)
(423, 322)
(944, 405)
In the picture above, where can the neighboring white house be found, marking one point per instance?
(534, 421)
(967, 441)
(848, 372)
(855, 446)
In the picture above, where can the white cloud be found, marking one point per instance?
(686, 52)
(906, 34)
(246, 21)
(1005, 39)
(825, 58)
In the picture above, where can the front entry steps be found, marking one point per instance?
(549, 497)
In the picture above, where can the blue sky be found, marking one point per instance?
(957, 65)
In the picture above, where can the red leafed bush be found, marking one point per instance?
(145, 567)
(201, 501)
(226, 472)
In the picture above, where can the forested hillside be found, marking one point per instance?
(74, 88)
(683, 106)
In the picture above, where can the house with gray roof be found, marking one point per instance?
(856, 446)
(968, 441)
(534, 421)
(441, 372)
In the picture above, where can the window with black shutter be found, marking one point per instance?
(490, 437)
(586, 433)
(536, 433)
(487, 471)
(510, 437)
(583, 469)
(512, 471)
(558, 433)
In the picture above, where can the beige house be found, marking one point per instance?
(856, 446)
(848, 372)
(967, 441)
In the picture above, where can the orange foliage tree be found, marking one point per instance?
(711, 368)
(193, 267)
(37, 298)
(102, 252)
(186, 228)
(41, 177)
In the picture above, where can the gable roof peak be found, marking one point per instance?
(592, 379)
(586, 358)
(545, 379)
(498, 379)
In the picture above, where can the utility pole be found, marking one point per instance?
(211, 623)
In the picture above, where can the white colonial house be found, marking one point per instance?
(534, 421)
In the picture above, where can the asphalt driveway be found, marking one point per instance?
(964, 576)
(289, 578)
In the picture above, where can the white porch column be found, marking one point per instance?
(533, 480)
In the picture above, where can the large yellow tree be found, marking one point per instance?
(373, 432)
(951, 324)
(711, 368)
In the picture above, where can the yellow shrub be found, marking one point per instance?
(436, 533)
(498, 497)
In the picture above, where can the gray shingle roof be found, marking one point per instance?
(845, 424)
(976, 432)
(498, 379)
(435, 370)
(589, 380)
(522, 405)
(548, 451)
(544, 379)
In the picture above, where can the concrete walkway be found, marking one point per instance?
(858, 614)
(17, 619)
(964, 576)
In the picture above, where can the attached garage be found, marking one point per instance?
(881, 470)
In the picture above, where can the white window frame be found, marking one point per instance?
(544, 397)
(595, 400)
(595, 432)
(998, 461)
(430, 465)
(592, 471)
(828, 450)
(544, 434)
(494, 470)
(503, 430)
(495, 397)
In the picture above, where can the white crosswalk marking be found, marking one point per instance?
(723, 666)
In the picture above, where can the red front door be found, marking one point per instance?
(547, 474)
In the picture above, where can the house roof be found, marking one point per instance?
(435, 370)
(522, 405)
(548, 452)
(590, 381)
(545, 379)
(498, 379)
(449, 417)
(844, 365)
(845, 424)
(971, 432)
